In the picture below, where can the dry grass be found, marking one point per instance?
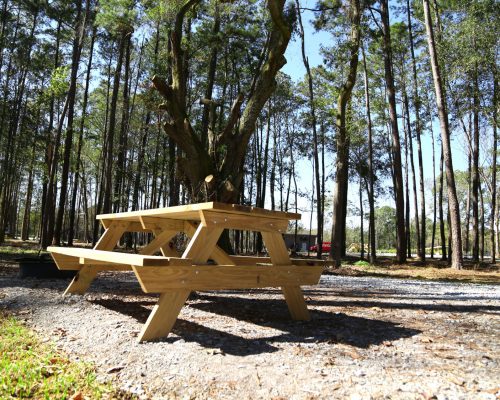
(431, 270)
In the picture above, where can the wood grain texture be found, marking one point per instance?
(162, 319)
(253, 260)
(111, 235)
(160, 242)
(190, 212)
(296, 303)
(216, 277)
(246, 222)
(276, 248)
(202, 244)
(101, 257)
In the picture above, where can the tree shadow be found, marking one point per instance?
(323, 327)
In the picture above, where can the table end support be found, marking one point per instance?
(82, 280)
(296, 303)
(162, 319)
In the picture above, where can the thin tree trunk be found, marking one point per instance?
(72, 210)
(418, 131)
(312, 107)
(475, 170)
(396, 147)
(108, 158)
(406, 108)
(407, 197)
(456, 256)
(494, 204)
(441, 212)
(362, 217)
(118, 192)
(434, 191)
(68, 143)
(371, 196)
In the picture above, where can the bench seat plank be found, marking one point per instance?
(90, 256)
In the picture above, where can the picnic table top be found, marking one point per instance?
(192, 212)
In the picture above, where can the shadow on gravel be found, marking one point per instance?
(323, 327)
(476, 308)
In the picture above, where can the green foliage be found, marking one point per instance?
(117, 16)
(59, 82)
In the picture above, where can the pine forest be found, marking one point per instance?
(386, 139)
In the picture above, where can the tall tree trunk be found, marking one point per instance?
(319, 206)
(48, 203)
(418, 131)
(434, 187)
(454, 210)
(72, 210)
(467, 204)
(68, 143)
(108, 157)
(494, 204)
(362, 217)
(396, 147)
(371, 178)
(29, 193)
(342, 140)
(407, 197)
(406, 108)
(441, 212)
(118, 192)
(475, 169)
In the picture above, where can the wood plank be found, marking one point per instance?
(111, 235)
(202, 244)
(82, 280)
(161, 242)
(162, 319)
(245, 222)
(252, 260)
(190, 212)
(163, 223)
(221, 257)
(215, 277)
(218, 255)
(296, 302)
(276, 248)
(90, 255)
(65, 262)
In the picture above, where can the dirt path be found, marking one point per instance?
(369, 338)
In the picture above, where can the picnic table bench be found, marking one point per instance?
(174, 276)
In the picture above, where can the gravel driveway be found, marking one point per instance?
(369, 338)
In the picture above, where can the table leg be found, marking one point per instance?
(87, 273)
(164, 314)
(218, 255)
(202, 244)
(161, 242)
(293, 294)
(82, 280)
(296, 303)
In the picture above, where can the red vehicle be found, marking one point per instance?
(325, 248)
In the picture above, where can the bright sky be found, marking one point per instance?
(296, 70)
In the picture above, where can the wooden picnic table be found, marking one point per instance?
(174, 276)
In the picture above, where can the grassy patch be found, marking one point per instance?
(362, 263)
(31, 369)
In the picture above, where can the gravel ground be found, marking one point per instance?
(369, 338)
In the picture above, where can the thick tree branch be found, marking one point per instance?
(233, 119)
